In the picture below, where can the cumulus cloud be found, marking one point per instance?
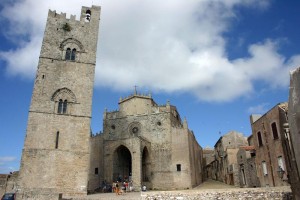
(169, 46)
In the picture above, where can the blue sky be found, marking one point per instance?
(217, 61)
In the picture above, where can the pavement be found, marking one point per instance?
(209, 185)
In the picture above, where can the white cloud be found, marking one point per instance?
(171, 46)
(6, 159)
(5, 164)
(258, 109)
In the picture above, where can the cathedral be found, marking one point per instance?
(142, 141)
(146, 142)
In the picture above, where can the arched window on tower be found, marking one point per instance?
(68, 54)
(73, 55)
(65, 104)
(64, 100)
(62, 106)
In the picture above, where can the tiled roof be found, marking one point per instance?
(247, 148)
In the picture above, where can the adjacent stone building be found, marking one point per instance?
(225, 167)
(267, 132)
(292, 134)
(247, 168)
(8, 183)
(148, 144)
(56, 152)
(208, 159)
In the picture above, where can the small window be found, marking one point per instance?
(264, 168)
(73, 55)
(65, 104)
(56, 140)
(260, 143)
(62, 106)
(280, 162)
(274, 130)
(96, 170)
(178, 166)
(135, 130)
(68, 54)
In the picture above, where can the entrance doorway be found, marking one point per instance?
(122, 164)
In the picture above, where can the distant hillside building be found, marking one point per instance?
(148, 144)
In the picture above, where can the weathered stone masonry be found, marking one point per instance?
(56, 151)
(155, 144)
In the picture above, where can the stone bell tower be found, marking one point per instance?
(55, 157)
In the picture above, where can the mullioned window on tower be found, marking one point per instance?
(70, 54)
(62, 106)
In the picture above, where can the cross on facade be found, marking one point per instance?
(135, 91)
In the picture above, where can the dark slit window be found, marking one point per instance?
(57, 138)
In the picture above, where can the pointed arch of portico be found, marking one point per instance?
(122, 163)
(146, 164)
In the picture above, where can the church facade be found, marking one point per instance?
(141, 141)
(148, 144)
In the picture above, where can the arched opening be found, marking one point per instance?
(65, 104)
(60, 106)
(68, 54)
(260, 143)
(122, 164)
(145, 165)
(73, 54)
(88, 15)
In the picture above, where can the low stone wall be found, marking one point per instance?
(236, 194)
(38, 196)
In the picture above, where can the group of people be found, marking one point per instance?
(122, 187)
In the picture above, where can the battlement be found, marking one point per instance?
(86, 12)
(63, 16)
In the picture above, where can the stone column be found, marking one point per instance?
(294, 124)
(137, 167)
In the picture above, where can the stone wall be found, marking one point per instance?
(292, 139)
(8, 182)
(247, 169)
(96, 171)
